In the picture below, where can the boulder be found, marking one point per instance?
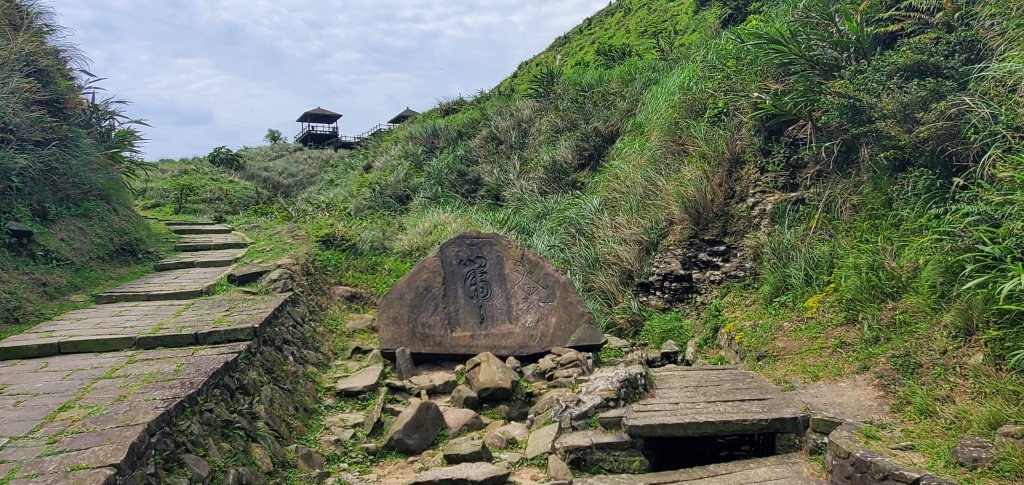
(973, 451)
(464, 474)
(460, 421)
(670, 352)
(309, 462)
(345, 294)
(465, 450)
(490, 378)
(415, 429)
(464, 397)
(361, 382)
(483, 293)
(17, 230)
(690, 356)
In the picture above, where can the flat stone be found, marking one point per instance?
(775, 470)
(541, 441)
(612, 418)
(355, 323)
(591, 439)
(464, 474)
(699, 401)
(94, 476)
(973, 451)
(558, 470)
(201, 259)
(209, 242)
(433, 383)
(375, 413)
(200, 229)
(466, 450)
(98, 343)
(824, 423)
(29, 350)
(483, 293)
(247, 274)
(361, 382)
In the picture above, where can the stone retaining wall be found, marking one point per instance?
(236, 428)
(850, 463)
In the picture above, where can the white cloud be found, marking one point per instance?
(220, 72)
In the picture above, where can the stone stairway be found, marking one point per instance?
(709, 425)
(80, 395)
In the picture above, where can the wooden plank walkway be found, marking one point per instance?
(712, 401)
(774, 470)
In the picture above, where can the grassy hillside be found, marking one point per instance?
(891, 132)
(65, 155)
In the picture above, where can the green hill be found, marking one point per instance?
(864, 157)
(65, 156)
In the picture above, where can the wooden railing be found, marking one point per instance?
(346, 139)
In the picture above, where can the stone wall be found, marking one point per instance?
(849, 463)
(237, 427)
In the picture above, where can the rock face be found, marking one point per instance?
(490, 378)
(483, 293)
(416, 428)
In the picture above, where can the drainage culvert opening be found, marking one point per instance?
(677, 453)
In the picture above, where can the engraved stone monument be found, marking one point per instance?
(484, 293)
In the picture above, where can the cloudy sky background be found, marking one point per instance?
(206, 73)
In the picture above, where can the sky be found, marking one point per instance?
(206, 73)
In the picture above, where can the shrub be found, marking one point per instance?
(224, 157)
(663, 327)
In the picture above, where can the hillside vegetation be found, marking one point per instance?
(890, 133)
(66, 153)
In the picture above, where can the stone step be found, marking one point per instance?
(189, 223)
(146, 325)
(701, 401)
(776, 470)
(210, 242)
(201, 259)
(201, 229)
(178, 284)
(82, 419)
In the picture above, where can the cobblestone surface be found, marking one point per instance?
(208, 242)
(119, 326)
(201, 259)
(72, 419)
(178, 284)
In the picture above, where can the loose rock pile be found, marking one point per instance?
(479, 421)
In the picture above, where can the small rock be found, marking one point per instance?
(199, 470)
(464, 474)
(344, 420)
(558, 470)
(19, 231)
(903, 446)
(1010, 435)
(670, 352)
(434, 383)
(824, 423)
(509, 435)
(339, 294)
(464, 397)
(416, 428)
(691, 355)
(405, 367)
(375, 413)
(466, 450)
(542, 441)
(261, 457)
(513, 363)
(460, 421)
(278, 275)
(361, 382)
(973, 451)
(355, 323)
(490, 378)
(247, 274)
(309, 461)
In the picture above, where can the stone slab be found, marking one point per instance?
(201, 259)
(200, 229)
(713, 402)
(146, 325)
(483, 293)
(91, 410)
(210, 242)
(178, 284)
(775, 470)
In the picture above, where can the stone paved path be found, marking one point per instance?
(79, 394)
(713, 401)
(776, 470)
